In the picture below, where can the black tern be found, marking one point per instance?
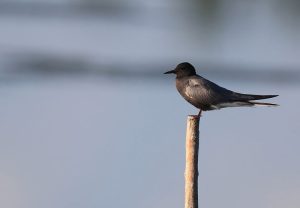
(206, 95)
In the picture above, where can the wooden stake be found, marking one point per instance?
(191, 162)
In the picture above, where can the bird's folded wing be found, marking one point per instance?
(207, 91)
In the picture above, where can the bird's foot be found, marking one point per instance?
(198, 115)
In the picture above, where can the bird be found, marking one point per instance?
(206, 95)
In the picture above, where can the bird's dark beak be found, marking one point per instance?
(170, 72)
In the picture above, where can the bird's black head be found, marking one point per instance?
(184, 69)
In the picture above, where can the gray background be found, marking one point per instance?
(87, 118)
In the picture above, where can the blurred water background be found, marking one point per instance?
(87, 118)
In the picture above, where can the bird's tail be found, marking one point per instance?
(250, 99)
(263, 104)
(253, 97)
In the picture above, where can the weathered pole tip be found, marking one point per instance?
(193, 117)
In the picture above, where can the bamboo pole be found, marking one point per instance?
(191, 162)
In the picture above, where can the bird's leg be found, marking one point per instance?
(199, 114)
